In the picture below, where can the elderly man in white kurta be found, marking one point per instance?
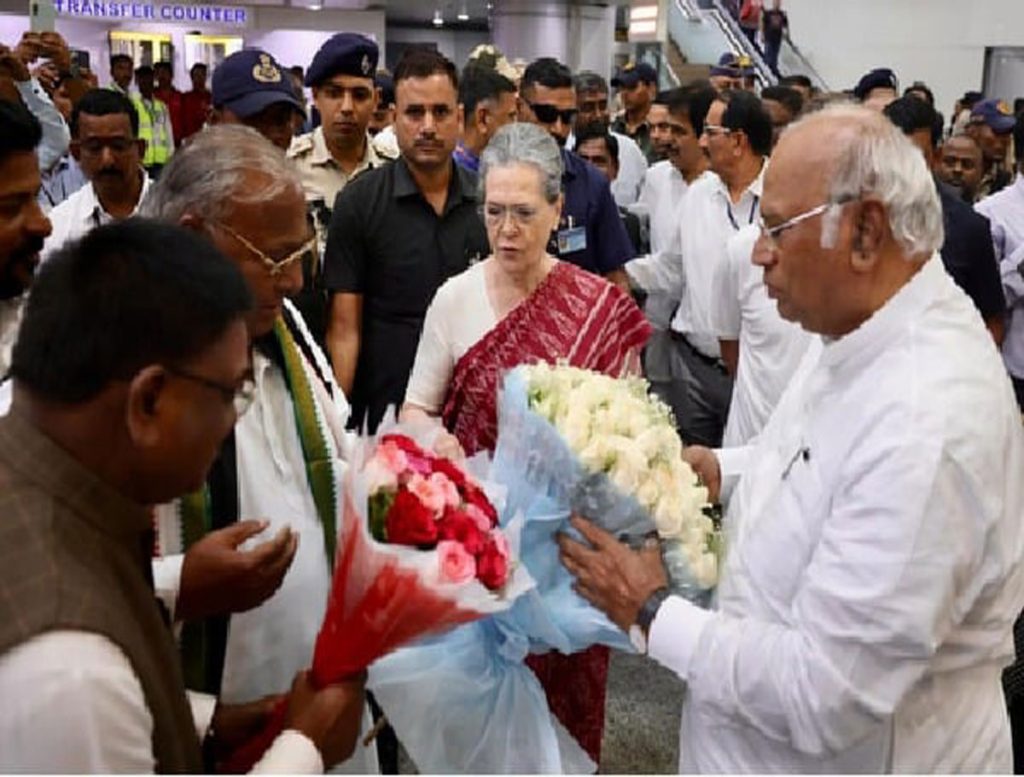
(873, 564)
(285, 460)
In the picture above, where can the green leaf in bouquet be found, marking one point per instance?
(380, 506)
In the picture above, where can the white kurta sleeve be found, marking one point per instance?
(56, 135)
(435, 361)
(660, 272)
(1012, 271)
(82, 686)
(167, 580)
(896, 564)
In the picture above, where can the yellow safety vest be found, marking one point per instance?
(153, 124)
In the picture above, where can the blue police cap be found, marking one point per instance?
(996, 114)
(249, 81)
(633, 73)
(347, 54)
(879, 78)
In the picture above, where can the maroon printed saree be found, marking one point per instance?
(580, 318)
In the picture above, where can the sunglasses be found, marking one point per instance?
(549, 114)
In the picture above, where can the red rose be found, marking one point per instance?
(456, 525)
(492, 566)
(453, 473)
(475, 496)
(410, 522)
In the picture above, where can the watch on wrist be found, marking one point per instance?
(639, 631)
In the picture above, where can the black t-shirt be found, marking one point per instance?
(968, 254)
(387, 243)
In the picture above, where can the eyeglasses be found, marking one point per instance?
(274, 266)
(772, 233)
(717, 129)
(549, 114)
(240, 396)
(494, 215)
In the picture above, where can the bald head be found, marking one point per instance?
(860, 215)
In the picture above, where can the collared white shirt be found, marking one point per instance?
(268, 644)
(73, 704)
(709, 218)
(660, 273)
(873, 562)
(771, 348)
(56, 135)
(80, 213)
(1005, 212)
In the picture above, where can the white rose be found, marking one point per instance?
(630, 465)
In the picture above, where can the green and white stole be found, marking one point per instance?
(203, 643)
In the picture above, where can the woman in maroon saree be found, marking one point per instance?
(522, 306)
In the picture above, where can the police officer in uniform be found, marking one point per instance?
(344, 92)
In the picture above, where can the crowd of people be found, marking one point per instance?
(205, 297)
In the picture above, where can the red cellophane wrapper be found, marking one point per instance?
(383, 596)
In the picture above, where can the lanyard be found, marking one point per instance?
(750, 219)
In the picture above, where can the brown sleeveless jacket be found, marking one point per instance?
(75, 555)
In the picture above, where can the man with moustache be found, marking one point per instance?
(590, 232)
(664, 194)
(397, 233)
(591, 108)
(23, 226)
(105, 142)
(960, 164)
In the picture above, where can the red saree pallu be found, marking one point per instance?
(582, 319)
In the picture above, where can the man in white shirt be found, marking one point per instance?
(875, 539)
(1005, 211)
(235, 187)
(592, 108)
(105, 143)
(762, 350)
(112, 413)
(677, 122)
(737, 137)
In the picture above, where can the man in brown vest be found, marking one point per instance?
(131, 366)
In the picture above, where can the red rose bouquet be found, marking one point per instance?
(418, 552)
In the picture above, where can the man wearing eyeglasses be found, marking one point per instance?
(590, 233)
(250, 617)
(874, 571)
(105, 142)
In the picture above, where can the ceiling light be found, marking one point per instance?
(438, 19)
(316, 5)
(463, 14)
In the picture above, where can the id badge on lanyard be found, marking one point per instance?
(571, 238)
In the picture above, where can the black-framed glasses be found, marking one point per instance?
(549, 114)
(241, 396)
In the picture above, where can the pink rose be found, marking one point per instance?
(451, 493)
(457, 565)
(392, 457)
(480, 518)
(430, 493)
(379, 476)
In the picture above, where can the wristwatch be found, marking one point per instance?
(640, 630)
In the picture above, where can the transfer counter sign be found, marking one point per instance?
(153, 12)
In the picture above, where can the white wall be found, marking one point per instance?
(940, 42)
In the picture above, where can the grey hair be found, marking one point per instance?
(521, 143)
(875, 157)
(215, 171)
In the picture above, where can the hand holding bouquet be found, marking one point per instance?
(419, 552)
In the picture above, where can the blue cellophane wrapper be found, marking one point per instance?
(465, 702)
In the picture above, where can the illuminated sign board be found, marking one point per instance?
(153, 12)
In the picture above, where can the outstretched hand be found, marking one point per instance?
(217, 578)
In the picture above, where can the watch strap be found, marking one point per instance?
(649, 609)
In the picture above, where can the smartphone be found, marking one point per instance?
(42, 16)
(79, 61)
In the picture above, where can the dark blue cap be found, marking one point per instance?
(249, 81)
(728, 65)
(633, 73)
(347, 54)
(994, 113)
(879, 78)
